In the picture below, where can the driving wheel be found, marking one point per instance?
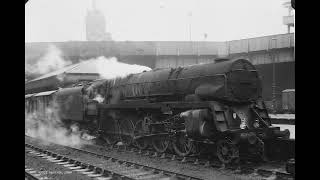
(182, 145)
(227, 151)
(160, 144)
(142, 142)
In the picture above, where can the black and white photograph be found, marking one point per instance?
(159, 89)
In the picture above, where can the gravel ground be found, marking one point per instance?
(49, 170)
(182, 168)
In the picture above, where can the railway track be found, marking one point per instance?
(29, 176)
(271, 171)
(125, 169)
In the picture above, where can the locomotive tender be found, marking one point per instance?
(216, 104)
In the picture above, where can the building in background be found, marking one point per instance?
(96, 25)
(289, 19)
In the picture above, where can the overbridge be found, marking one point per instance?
(273, 55)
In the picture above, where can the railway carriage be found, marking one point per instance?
(39, 103)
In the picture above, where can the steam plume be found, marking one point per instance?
(51, 129)
(110, 68)
(51, 61)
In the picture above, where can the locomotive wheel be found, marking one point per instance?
(141, 143)
(182, 145)
(160, 144)
(200, 148)
(110, 139)
(126, 132)
(261, 150)
(227, 151)
(257, 149)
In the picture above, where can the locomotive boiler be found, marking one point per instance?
(216, 104)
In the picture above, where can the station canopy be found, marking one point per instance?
(46, 93)
(29, 95)
(83, 71)
(85, 67)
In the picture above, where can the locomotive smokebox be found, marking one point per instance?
(198, 123)
(210, 90)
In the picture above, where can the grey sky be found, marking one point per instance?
(158, 20)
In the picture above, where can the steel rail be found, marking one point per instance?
(189, 159)
(29, 176)
(205, 162)
(108, 173)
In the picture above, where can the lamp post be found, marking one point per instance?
(274, 75)
(190, 16)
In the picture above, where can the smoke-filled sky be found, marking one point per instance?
(156, 20)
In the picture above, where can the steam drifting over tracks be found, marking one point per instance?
(125, 169)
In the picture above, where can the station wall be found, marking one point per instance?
(176, 61)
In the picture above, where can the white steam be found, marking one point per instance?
(98, 98)
(51, 61)
(110, 68)
(51, 129)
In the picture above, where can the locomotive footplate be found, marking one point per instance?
(244, 134)
(151, 135)
(270, 132)
(158, 105)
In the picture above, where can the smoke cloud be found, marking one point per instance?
(99, 98)
(110, 68)
(51, 129)
(51, 61)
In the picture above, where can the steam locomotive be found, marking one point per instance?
(181, 109)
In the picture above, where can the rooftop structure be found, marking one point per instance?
(289, 19)
(83, 71)
(96, 25)
(77, 50)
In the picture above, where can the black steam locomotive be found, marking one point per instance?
(217, 104)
